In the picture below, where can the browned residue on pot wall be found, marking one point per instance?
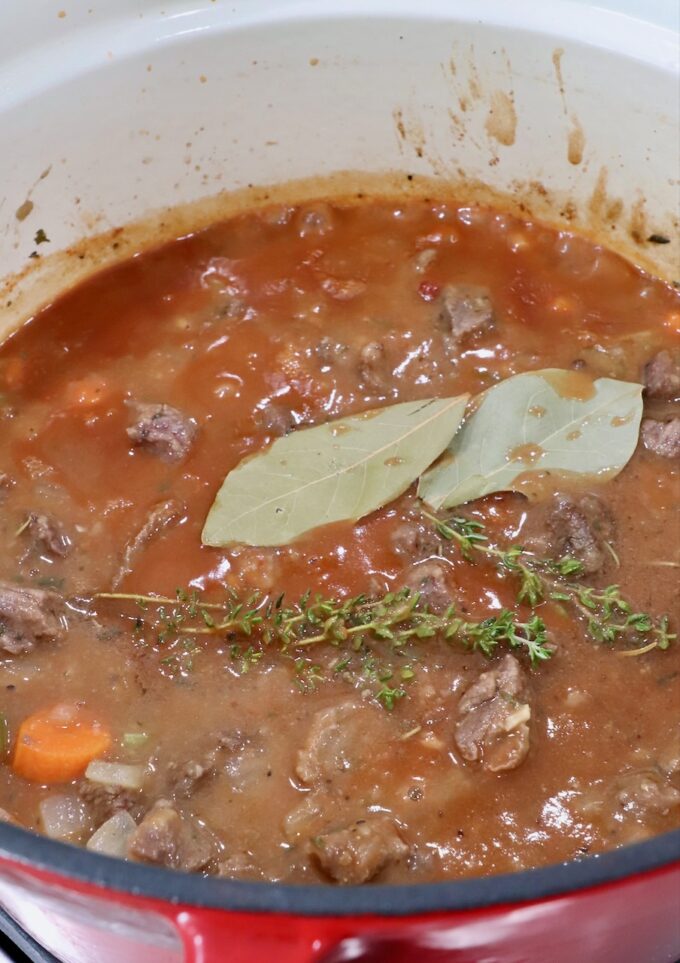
(399, 124)
(576, 142)
(576, 139)
(637, 226)
(501, 122)
(409, 131)
(602, 207)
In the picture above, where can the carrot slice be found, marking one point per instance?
(56, 745)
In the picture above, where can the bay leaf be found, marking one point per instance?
(536, 422)
(338, 471)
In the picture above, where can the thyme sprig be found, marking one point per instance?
(396, 617)
(354, 625)
(608, 616)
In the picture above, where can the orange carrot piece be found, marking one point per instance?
(56, 745)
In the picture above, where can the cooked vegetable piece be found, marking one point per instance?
(63, 816)
(57, 744)
(115, 774)
(113, 836)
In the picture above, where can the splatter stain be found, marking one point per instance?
(558, 53)
(399, 124)
(576, 142)
(24, 210)
(501, 121)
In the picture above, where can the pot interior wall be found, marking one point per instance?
(566, 112)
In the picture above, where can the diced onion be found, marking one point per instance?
(112, 836)
(522, 714)
(115, 774)
(63, 816)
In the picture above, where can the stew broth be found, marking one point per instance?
(293, 766)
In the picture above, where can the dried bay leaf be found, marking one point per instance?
(339, 471)
(532, 423)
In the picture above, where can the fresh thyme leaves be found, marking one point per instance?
(608, 616)
(360, 627)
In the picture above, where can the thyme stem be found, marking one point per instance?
(607, 614)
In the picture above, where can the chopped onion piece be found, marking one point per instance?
(115, 774)
(63, 816)
(522, 714)
(112, 836)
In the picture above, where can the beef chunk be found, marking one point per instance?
(581, 527)
(162, 430)
(48, 535)
(416, 540)
(329, 352)
(641, 792)
(166, 838)
(358, 853)
(464, 312)
(429, 579)
(103, 801)
(662, 375)
(161, 516)
(275, 419)
(662, 437)
(341, 739)
(28, 616)
(493, 714)
(328, 748)
(374, 373)
(185, 778)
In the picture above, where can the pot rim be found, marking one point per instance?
(72, 863)
(636, 35)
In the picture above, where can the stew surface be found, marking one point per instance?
(124, 404)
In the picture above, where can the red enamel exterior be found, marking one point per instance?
(634, 920)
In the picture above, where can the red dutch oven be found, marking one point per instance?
(621, 907)
(323, 86)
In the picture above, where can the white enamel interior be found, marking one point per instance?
(134, 105)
